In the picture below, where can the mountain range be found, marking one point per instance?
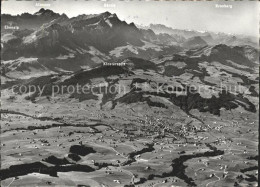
(56, 43)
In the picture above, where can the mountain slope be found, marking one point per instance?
(194, 42)
(28, 21)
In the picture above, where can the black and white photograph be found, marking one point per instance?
(129, 93)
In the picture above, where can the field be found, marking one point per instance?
(53, 143)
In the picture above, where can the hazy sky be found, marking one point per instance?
(242, 18)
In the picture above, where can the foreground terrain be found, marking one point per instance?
(140, 137)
